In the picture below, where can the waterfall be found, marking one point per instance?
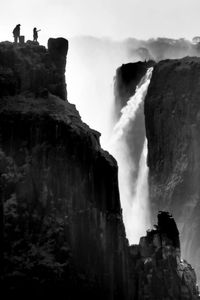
(90, 87)
(134, 195)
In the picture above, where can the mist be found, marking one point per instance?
(91, 69)
(133, 194)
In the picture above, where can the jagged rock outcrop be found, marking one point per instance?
(159, 271)
(60, 213)
(172, 111)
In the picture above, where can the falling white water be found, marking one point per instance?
(134, 195)
(91, 66)
(129, 111)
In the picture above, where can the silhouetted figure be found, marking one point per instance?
(35, 34)
(16, 33)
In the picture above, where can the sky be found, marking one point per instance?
(117, 19)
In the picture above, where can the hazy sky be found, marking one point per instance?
(115, 18)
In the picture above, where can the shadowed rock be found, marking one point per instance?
(173, 130)
(30, 68)
(159, 271)
(61, 224)
(61, 227)
(127, 78)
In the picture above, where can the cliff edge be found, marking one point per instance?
(61, 224)
(61, 227)
(26, 68)
(172, 111)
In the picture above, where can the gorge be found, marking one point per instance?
(62, 229)
(133, 175)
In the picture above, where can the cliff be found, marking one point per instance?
(167, 129)
(61, 227)
(26, 68)
(172, 111)
(61, 224)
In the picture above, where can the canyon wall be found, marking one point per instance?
(171, 138)
(61, 222)
(172, 111)
(61, 227)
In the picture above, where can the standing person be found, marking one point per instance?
(35, 34)
(16, 33)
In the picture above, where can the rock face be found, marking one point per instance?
(61, 227)
(172, 115)
(159, 271)
(31, 68)
(167, 129)
(61, 223)
(127, 78)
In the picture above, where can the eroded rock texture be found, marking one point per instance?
(61, 223)
(172, 114)
(61, 228)
(26, 68)
(159, 271)
(167, 111)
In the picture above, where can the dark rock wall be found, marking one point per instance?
(170, 118)
(60, 213)
(172, 109)
(61, 227)
(26, 68)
